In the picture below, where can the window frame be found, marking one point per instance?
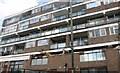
(85, 56)
(92, 33)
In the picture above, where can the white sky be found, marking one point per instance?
(8, 7)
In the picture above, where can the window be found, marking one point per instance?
(113, 30)
(24, 25)
(97, 33)
(34, 20)
(47, 7)
(36, 10)
(45, 17)
(30, 44)
(94, 70)
(39, 61)
(16, 66)
(43, 42)
(94, 55)
(93, 4)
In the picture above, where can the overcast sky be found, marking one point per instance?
(8, 7)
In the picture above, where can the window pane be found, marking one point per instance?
(81, 58)
(94, 56)
(45, 61)
(103, 32)
(34, 62)
(97, 32)
(99, 56)
(39, 61)
(91, 34)
(90, 57)
(86, 57)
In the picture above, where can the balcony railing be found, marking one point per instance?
(59, 7)
(96, 22)
(82, 12)
(59, 18)
(19, 51)
(6, 53)
(80, 42)
(78, 13)
(77, 1)
(113, 19)
(58, 46)
(25, 17)
(53, 46)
